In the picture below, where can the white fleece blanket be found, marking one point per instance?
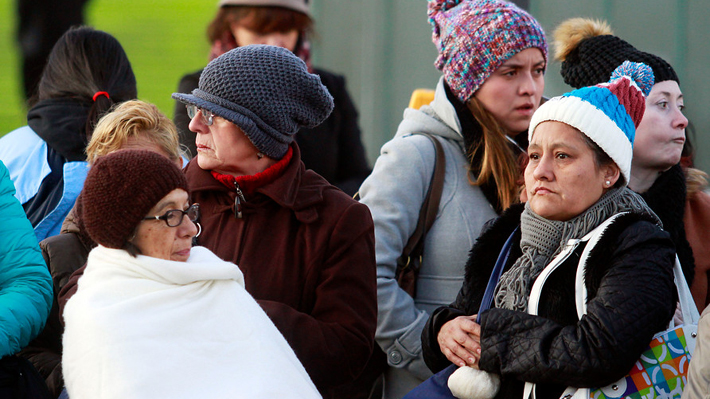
(150, 328)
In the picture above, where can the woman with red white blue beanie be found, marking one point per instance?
(492, 56)
(529, 335)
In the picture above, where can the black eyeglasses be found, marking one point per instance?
(207, 116)
(173, 217)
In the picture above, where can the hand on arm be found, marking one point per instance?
(460, 341)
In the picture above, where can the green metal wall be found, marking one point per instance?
(384, 49)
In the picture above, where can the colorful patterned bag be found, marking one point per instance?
(660, 372)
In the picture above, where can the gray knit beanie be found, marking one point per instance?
(265, 90)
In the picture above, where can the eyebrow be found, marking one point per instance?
(668, 94)
(518, 65)
(554, 146)
(166, 204)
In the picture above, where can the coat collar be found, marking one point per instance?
(297, 189)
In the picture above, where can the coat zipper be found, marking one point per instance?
(238, 200)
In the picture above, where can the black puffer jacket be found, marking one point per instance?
(632, 296)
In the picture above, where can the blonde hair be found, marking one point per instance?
(133, 119)
(696, 180)
(499, 163)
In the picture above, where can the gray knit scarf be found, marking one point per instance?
(542, 239)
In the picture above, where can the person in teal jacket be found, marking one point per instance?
(25, 284)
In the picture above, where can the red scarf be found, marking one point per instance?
(251, 182)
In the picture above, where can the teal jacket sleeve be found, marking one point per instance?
(25, 283)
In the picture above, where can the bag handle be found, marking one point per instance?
(430, 206)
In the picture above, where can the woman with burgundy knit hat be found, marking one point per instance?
(493, 57)
(86, 73)
(333, 149)
(154, 317)
(589, 52)
(514, 330)
(305, 247)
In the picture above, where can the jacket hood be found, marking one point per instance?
(74, 225)
(61, 123)
(438, 118)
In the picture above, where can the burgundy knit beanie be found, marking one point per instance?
(121, 188)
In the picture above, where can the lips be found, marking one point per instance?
(526, 108)
(542, 190)
(184, 252)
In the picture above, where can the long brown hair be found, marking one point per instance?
(499, 163)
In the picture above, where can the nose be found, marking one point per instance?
(197, 125)
(680, 121)
(187, 228)
(528, 84)
(276, 39)
(542, 170)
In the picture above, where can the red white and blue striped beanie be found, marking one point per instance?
(474, 37)
(607, 113)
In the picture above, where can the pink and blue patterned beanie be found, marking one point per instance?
(474, 37)
(607, 113)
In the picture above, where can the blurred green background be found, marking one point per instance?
(160, 49)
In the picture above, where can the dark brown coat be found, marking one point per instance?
(307, 251)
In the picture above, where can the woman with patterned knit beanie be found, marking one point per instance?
(155, 317)
(493, 56)
(589, 51)
(515, 326)
(306, 248)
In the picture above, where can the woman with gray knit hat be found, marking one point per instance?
(333, 149)
(493, 56)
(305, 247)
(146, 292)
(589, 51)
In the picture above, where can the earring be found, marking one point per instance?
(199, 226)
(260, 155)
(608, 183)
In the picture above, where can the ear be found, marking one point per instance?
(611, 173)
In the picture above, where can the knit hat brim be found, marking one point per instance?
(264, 137)
(593, 123)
